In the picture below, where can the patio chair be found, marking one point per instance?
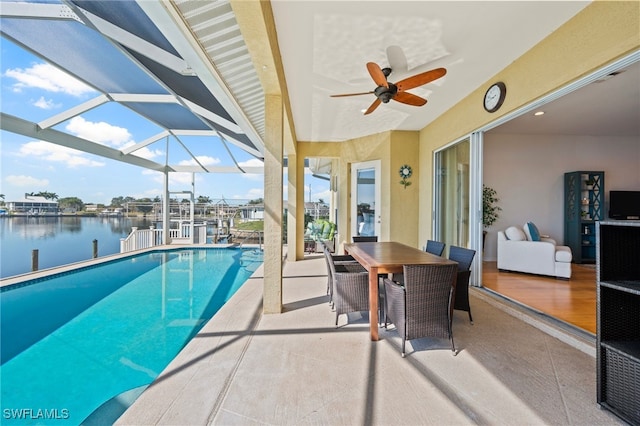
(365, 238)
(434, 247)
(339, 260)
(350, 284)
(423, 306)
(464, 257)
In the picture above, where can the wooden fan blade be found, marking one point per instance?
(351, 94)
(373, 106)
(409, 99)
(420, 79)
(376, 74)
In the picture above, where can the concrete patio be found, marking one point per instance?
(297, 368)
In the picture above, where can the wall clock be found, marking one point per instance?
(494, 97)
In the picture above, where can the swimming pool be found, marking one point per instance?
(76, 341)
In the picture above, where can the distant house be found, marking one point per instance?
(32, 205)
(251, 212)
(316, 210)
(91, 207)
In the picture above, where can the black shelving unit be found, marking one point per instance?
(618, 318)
(583, 208)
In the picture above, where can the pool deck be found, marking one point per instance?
(246, 368)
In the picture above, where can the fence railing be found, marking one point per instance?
(240, 237)
(140, 239)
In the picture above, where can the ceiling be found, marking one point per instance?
(325, 45)
(192, 67)
(608, 106)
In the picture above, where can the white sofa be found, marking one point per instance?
(519, 251)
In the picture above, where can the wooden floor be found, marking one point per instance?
(572, 301)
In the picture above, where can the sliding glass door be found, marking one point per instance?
(453, 195)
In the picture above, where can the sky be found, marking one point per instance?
(34, 90)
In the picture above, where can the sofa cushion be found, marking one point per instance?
(515, 234)
(532, 231)
(563, 254)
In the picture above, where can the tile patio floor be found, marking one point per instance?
(296, 368)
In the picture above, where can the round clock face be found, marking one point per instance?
(494, 97)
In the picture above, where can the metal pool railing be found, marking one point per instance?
(140, 239)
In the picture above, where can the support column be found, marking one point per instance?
(165, 209)
(299, 196)
(273, 205)
(293, 253)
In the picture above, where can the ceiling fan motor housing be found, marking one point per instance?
(385, 94)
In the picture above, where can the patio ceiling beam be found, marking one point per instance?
(37, 11)
(139, 45)
(72, 112)
(144, 98)
(146, 142)
(213, 117)
(26, 128)
(217, 169)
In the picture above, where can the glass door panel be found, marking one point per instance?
(365, 184)
(452, 195)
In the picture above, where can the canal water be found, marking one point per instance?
(59, 240)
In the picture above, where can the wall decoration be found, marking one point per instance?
(405, 174)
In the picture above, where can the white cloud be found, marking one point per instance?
(101, 132)
(183, 179)
(254, 193)
(255, 177)
(60, 154)
(324, 195)
(254, 162)
(47, 77)
(46, 104)
(28, 181)
(177, 181)
(203, 159)
(147, 153)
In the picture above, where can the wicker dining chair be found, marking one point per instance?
(464, 257)
(423, 306)
(339, 260)
(365, 238)
(434, 247)
(350, 284)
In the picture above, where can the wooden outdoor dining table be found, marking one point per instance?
(384, 258)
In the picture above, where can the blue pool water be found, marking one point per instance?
(74, 341)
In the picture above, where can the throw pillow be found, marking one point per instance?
(533, 231)
(515, 234)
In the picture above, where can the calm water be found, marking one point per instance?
(86, 343)
(59, 240)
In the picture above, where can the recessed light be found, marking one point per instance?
(539, 113)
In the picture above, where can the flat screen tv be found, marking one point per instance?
(624, 204)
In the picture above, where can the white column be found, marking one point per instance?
(273, 205)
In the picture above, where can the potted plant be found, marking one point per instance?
(490, 208)
(589, 183)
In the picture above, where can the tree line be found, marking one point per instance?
(143, 205)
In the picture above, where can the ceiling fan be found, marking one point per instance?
(387, 91)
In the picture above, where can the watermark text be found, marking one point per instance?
(35, 413)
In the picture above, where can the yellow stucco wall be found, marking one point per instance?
(600, 34)
(399, 207)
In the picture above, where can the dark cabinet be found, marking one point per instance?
(583, 208)
(618, 318)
